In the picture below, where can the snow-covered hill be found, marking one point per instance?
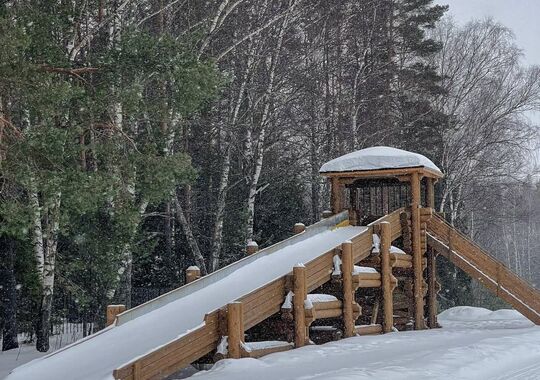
(474, 344)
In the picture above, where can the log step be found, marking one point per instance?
(368, 329)
(259, 349)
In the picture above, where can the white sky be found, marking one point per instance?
(519, 15)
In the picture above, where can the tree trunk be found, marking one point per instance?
(193, 246)
(47, 285)
(8, 294)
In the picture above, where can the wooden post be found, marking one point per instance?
(235, 329)
(113, 311)
(137, 370)
(430, 198)
(336, 195)
(298, 228)
(300, 295)
(432, 289)
(192, 273)
(386, 277)
(348, 293)
(417, 253)
(252, 248)
(326, 214)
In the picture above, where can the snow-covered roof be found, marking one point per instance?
(379, 157)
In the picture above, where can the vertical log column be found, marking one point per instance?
(348, 292)
(300, 295)
(386, 277)
(430, 196)
(113, 311)
(417, 253)
(335, 195)
(235, 329)
(433, 286)
(192, 273)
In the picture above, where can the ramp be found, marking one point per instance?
(171, 331)
(476, 262)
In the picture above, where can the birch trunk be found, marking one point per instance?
(47, 286)
(217, 236)
(193, 246)
(254, 178)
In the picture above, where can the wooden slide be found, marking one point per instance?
(476, 262)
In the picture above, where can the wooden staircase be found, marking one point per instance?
(476, 262)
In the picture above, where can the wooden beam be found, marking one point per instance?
(300, 294)
(432, 288)
(235, 329)
(417, 252)
(386, 277)
(381, 173)
(348, 292)
(113, 311)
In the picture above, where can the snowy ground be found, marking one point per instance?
(474, 344)
(27, 352)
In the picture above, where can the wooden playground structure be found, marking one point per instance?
(365, 285)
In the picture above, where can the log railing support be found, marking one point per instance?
(192, 273)
(252, 247)
(113, 311)
(348, 292)
(417, 252)
(300, 295)
(235, 329)
(326, 214)
(299, 228)
(386, 277)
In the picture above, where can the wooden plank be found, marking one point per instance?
(327, 313)
(211, 325)
(181, 357)
(370, 284)
(379, 173)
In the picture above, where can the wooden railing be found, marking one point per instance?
(493, 274)
(258, 305)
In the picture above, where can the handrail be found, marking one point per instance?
(477, 262)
